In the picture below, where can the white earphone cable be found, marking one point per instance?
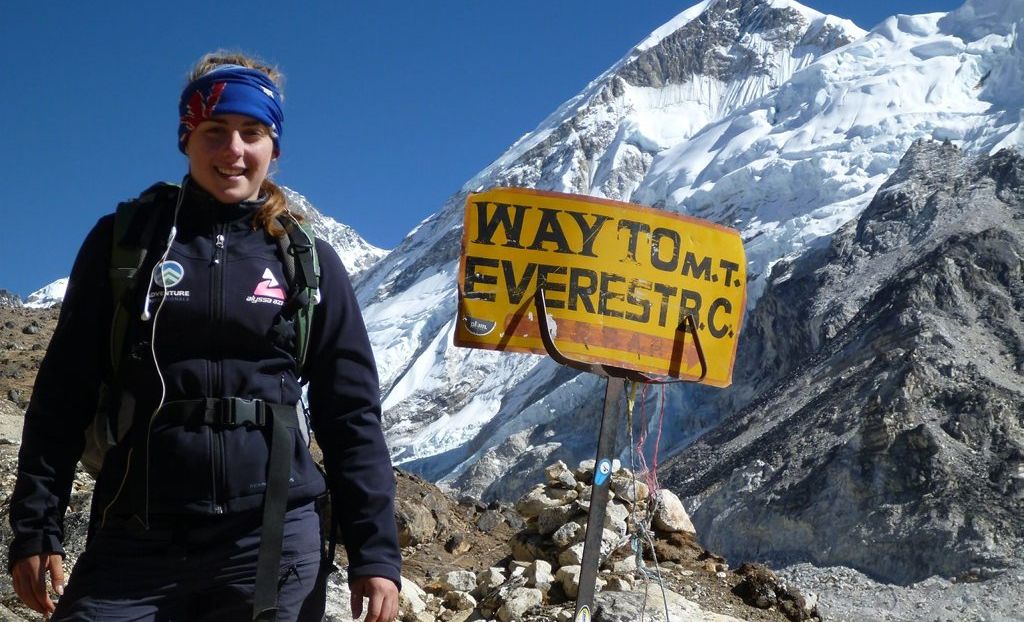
(157, 269)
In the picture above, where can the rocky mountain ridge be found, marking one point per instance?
(880, 423)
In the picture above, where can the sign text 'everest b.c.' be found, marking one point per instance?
(619, 280)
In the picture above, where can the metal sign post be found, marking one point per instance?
(606, 449)
(599, 497)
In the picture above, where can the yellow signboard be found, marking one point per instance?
(619, 280)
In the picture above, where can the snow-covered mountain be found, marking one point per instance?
(760, 114)
(356, 253)
(10, 299)
(49, 296)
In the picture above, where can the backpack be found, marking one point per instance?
(135, 223)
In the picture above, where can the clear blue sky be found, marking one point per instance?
(390, 105)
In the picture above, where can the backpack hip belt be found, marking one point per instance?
(280, 419)
(228, 412)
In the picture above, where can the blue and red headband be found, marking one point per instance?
(230, 89)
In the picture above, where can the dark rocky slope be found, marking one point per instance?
(880, 396)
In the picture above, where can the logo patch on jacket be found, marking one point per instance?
(268, 290)
(165, 276)
(169, 274)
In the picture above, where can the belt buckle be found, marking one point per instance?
(249, 412)
(226, 412)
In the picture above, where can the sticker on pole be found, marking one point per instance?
(624, 285)
(603, 470)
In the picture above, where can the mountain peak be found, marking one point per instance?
(762, 115)
(721, 38)
(977, 19)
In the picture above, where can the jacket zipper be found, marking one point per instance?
(217, 291)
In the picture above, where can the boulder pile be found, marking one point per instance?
(540, 579)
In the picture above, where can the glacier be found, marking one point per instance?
(766, 116)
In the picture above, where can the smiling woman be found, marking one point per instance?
(206, 506)
(235, 171)
(229, 155)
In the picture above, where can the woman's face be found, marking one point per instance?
(229, 156)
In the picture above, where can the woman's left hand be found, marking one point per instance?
(382, 594)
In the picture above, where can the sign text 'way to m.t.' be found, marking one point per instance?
(618, 279)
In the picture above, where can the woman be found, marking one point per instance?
(181, 505)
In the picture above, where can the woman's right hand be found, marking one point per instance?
(29, 577)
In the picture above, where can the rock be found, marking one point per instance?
(585, 471)
(489, 579)
(532, 503)
(458, 544)
(490, 520)
(440, 508)
(459, 581)
(410, 599)
(568, 534)
(551, 519)
(628, 490)
(538, 575)
(31, 329)
(459, 601)
(530, 546)
(615, 517)
(14, 396)
(416, 523)
(669, 513)
(612, 606)
(626, 565)
(514, 519)
(518, 602)
(574, 554)
(565, 495)
(569, 577)
(559, 474)
(517, 567)
(618, 583)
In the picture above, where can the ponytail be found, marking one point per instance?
(276, 206)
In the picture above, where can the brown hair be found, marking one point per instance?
(276, 205)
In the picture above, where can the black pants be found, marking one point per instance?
(195, 569)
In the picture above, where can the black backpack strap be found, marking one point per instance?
(302, 271)
(275, 505)
(135, 225)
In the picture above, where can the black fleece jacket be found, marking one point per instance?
(211, 340)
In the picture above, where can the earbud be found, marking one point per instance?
(146, 316)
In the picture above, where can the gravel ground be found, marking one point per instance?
(845, 595)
